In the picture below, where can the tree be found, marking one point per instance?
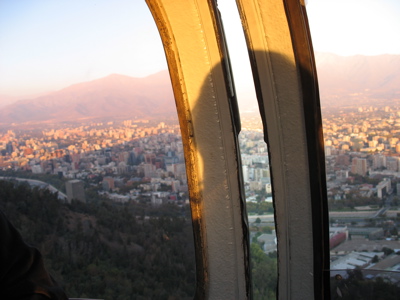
(264, 273)
(267, 229)
(375, 259)
(102, 248)
(387, 251)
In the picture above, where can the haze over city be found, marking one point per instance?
(87, 110)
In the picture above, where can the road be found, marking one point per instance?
(263, 218)
(33, 182)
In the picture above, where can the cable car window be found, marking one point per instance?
(358, 80)
(91, 156)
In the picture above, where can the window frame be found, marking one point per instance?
(282, 59)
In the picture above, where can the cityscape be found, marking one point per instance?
(134, 163)
(139, 158)
(92, 165)
(142, 161)
(125, 161)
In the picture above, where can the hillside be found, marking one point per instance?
(106, 251)
(361, 80)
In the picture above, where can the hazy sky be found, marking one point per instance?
(349, 27)
(46, 45)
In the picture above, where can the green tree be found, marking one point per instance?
(103, 249)
(264, 274)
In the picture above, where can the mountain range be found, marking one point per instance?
(342, 81)
(114, 96)
(358, 80)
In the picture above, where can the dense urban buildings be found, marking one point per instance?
(143, 161)
(127, 160)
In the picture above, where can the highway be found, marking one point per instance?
(33, 182)
(263, 218)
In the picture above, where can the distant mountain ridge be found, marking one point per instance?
(6, 100)
(373, 78)
(343, 80)
(108, 97)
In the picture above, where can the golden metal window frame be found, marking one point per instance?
(283, 66)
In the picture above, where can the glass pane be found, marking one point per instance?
(359, 97)
(91, 149)
(255, 162)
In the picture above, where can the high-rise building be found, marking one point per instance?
(378, 161)
(359, 166)
(392, 164)
(383, 188)
(122, 168)
(343, 160)
(108, 183)
(245, 173)
(75, 190)
(149, 170)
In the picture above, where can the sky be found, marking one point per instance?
(46, 45)
(350, 27)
